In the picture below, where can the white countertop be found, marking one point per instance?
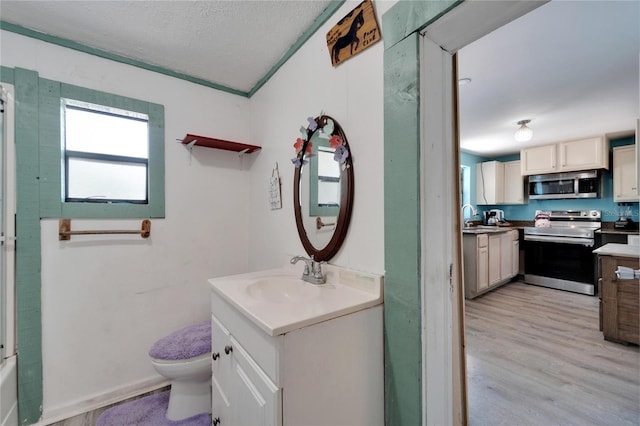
(616, 249)
(345, 292)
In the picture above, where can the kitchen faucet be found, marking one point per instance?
(474, 212)
(312, 270)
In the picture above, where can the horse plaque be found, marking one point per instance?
(354, 33)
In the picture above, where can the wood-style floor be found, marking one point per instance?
(535, 356)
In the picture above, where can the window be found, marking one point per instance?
(101, 155)
(106, 153)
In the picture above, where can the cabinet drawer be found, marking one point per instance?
(483, 240)
(255, 341)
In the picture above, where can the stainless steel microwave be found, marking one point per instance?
(584, 184)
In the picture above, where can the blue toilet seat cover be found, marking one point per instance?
(188, 342)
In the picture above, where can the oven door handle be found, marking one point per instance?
(587, 242)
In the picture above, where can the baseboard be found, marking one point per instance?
(101, 400)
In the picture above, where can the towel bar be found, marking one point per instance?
(65, 232)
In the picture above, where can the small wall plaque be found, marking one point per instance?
(354, 33)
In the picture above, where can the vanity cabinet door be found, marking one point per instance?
(257, 398)
(221, 386)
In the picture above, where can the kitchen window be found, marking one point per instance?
(106, 154)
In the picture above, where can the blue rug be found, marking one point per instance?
(148, 411)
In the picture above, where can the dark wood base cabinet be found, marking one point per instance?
(619, 313)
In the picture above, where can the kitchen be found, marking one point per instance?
(505, 183)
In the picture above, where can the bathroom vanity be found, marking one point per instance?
(289, 352)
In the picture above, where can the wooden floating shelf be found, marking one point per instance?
(219, 144)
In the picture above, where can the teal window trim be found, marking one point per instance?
(51, 155)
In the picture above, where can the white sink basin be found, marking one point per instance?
(282, 289)
(278, 301)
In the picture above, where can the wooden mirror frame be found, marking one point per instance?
(346, 198)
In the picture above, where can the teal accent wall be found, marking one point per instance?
(609, 208)
(402, 232)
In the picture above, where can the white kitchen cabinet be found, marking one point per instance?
(326, 373)
(582, 154)
(482, 263)
(490, 260)
(506, 247)
(499, 183)
(489, 183)
(495, 255)
(515, 253)
(625, 169)
(538, 160)
(513, 183)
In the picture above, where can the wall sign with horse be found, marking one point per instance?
(353, 33)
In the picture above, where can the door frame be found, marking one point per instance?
(416, 121)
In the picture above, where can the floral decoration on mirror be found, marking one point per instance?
(326, 128)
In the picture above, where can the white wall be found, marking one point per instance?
(106, 299)
(352, 93)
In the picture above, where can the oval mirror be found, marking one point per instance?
(323, 187)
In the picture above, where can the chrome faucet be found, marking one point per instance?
(312, 270)
(474, 212)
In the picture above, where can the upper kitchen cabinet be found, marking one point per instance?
(625, 180)
(499, 183)
(513, 183)
(490, 183)
(582, 154)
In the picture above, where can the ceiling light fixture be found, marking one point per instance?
(524, 133)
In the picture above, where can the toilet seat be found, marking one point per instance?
(184, 357)
(186, 343)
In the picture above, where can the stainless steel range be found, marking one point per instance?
(558, 254)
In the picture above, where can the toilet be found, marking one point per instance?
(184, 357)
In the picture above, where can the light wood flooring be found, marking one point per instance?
(535, 356)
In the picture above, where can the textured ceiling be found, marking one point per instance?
(231, 43)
